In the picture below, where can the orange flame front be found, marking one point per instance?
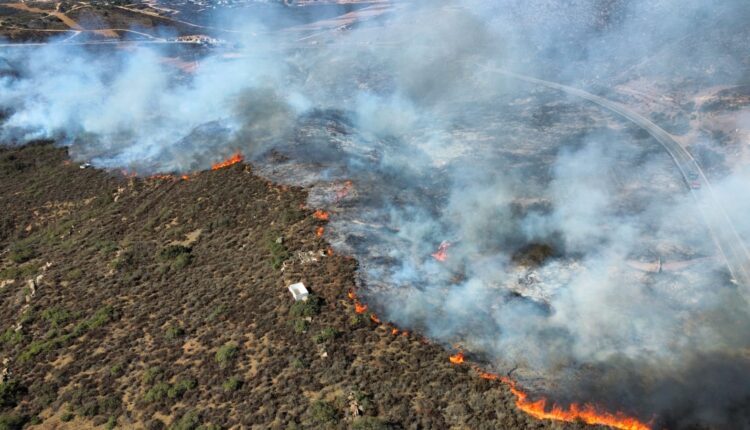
(319, 231)
(321, 215)
(234, 159)
(457, 358)
(360, 308)
(375, 318)
(185, 177)
(442, 252)
(587, 413)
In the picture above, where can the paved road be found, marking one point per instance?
(730, 245)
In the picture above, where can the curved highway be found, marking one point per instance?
(730, 245)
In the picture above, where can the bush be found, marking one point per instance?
(157, 392)
(322, 412)
(232, 384)
(56, 317)
(226, 353)
(189, 421)
(216, 312)
(11, 337)
(116, 370)
(300, 326)
(278, 251)
(152, 374)
(369, 423)
(111, 423)
(172, 332)
(171, 252)
(74, 275)
(67, 416)
(22, 253)
(11, 422)
(298, 363)
(179, 389)
(10, 393)
(325, 335)
(182, 261)
(306, 308)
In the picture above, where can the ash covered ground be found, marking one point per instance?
(553, 190)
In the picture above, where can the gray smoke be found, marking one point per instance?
(441, 147)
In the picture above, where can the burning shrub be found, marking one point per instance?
(226, 353)
(306, 308)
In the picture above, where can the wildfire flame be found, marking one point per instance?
(344, 191)
(442, 253)
(457, 358)
(319, 231)
(375, 318)
(185, 177)
(321, 215)
(234, 159)
(587, 413)
(360, 308)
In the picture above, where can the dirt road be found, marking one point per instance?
(730, 245)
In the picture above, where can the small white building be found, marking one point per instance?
(299, 292)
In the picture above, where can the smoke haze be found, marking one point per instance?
(442, 147)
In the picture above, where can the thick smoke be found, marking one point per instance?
(552, 206)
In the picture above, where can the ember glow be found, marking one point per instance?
(321, 215)
(442, 253)
(344, 191)
(319, 231)
(374, 318)
(360, 308)
(457, 358)
(234, 159)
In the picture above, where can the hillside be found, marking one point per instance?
(162, 303)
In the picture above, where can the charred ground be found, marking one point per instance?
(155, 303)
